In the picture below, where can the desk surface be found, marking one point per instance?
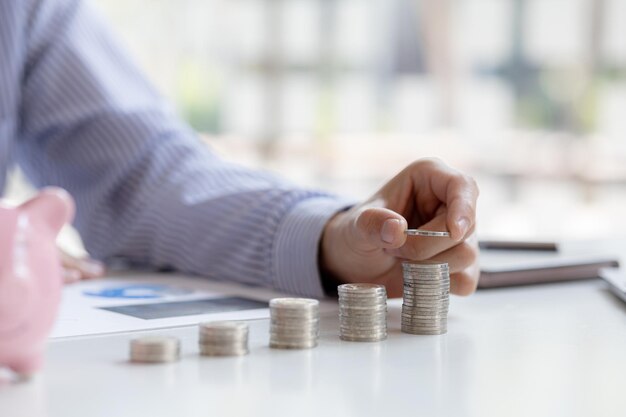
(557, 349)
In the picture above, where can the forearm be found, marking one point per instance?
(145, 187)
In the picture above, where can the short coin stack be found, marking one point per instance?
(362, 312)
(155, 349)
(426, 297)
(294, 323)
(223, 338)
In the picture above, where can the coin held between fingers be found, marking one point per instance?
(427, 233)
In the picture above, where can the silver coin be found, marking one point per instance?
(433, 300)
(357, 308)
(359, 299)
(424, 311)
(426, 316)
(363, 314)
(425, 322)
(349, 338)
(417, 304)
(432, 296)
(210, 351)
(155, 349)
(427, 326)
(426, 281)
(427, 233)
(231, 350)
(279, 344)
(363, 321)
(425, 266)
(366, 301)
(414, 330)
(424, 307)
(294, 303)
(224, 326)
(357, 333)
(294, 323)
(426, 290)
(353, 288)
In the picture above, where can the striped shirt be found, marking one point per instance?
(75, 112)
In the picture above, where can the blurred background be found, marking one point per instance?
(528, 96)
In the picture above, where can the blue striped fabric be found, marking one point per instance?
(75, 112)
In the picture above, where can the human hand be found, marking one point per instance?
(368, 242)
(76, 269)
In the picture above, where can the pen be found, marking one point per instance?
(518, 245)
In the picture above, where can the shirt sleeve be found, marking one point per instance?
(145, 186)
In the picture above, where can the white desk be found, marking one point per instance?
(545, 350)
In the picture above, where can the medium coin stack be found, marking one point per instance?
(155, 349)
(294, 323)
(362, 312)
(426, 297)
(223, 338)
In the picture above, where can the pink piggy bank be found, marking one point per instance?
(30, 277)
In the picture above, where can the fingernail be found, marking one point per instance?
(388, 231)
(92, 267)
(463, 226)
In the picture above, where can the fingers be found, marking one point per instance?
(436, 182)
(462, 259)
(464, 268)
(464, 283)
(461, 201)
(381, 228)
(75, 269)
(419, 248)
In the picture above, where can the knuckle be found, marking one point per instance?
(430, 162)
(366, 221)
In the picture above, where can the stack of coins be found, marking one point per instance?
(294, 323)
(362, 312)
(223, 338)
(155, 349)
(426, 297)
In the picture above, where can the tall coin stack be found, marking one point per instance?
(426, 297)
(362, 312)
(294, 323)
(223, 338)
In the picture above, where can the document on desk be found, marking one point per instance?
(131, 302)
(501, 268)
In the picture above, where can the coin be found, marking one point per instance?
(425, 297)
(427, 233)
(294, 323)
(223, 338)
(154, 349)
(362, 312)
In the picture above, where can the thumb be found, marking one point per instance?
(381, 227)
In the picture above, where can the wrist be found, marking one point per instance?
(329, 259)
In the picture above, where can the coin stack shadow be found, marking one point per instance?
(294, 323)
(426, 297)
(223, 338)
(362, 312)
(155, 349)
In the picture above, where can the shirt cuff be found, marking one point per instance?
(295, 254)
